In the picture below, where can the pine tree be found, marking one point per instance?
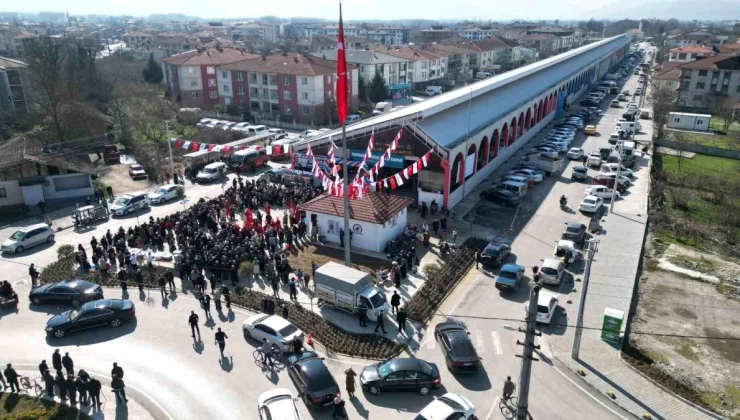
(363, 89)
(152, 72)
(378, 91)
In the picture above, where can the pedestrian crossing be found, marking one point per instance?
(482, 341)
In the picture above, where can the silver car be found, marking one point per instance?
(28, 237)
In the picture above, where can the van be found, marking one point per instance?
(381, 107)
(644, 115)
(129, 203)
(628, 126)
(484, 75)
(614, 138)
(433, 90)
(352, 119)
(518, 188)
(254, 130)
(28, 237)
(212, 172)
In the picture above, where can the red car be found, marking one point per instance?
(609, 182)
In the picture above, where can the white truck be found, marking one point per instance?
(347, 288)
(543, 163)
(381, 107)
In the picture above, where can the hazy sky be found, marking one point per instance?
(404, 9)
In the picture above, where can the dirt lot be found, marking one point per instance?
(704, 370)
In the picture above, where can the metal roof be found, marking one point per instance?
(444, 118)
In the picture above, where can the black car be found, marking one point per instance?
(574, 231)
(588, 102)
(401, 374)
(460, 355)
(503, 197)
(92, 314)
(312, 379)
(68, 292)
(495, 253)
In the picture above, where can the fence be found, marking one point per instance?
(697, 148)
(286, 125)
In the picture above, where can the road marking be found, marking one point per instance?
(479, 343)
(153, 401)
(494, 405)
(589, 394)
(496, 343)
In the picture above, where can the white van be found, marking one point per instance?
(129, 203)
(629, 126)
(381, 107)
(212, 172)
(433, 90)
(352, 118)
(518, 188)
(253, 130)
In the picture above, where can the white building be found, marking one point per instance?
(423, 66)
(374, 220)
(689, 53)
(384, 34)
(476, 34)
(706, 82)
(268, 32)
(687, 121)
(393, 69)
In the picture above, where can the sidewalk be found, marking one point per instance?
(110, 410)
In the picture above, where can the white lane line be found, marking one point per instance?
(589, 394)
(494, 405)
(479, 343)
(149, 397)
(496, 343)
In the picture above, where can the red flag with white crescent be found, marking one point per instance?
(341, 73)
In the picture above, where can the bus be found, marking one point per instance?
(290, 177)
(281, 149)
(249, 159)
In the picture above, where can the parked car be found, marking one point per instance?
(204, 121)
(495, 253)
(622, 98)
(136, 171)
(575, 153)
(579, 173)
(529, 173)
(276, 329)
(622, 179)
(278, 133)
(448, 407)
(242, 127)
(28, 237)
(574, 231)
(590, 129)
(560, 146)
(502, 197)
(312, 379)
(551, 271)
(164, 193)
(129, 203)
(101, 312)
(277, 404)
(546, 151)
(400, 374)
(459, 352)
(609, 182)
(591, 204)
(509, 277)
(547, 304)
(601, 191)
(594, 160)
(67, 292)
(614, 104)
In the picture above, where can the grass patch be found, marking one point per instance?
(717, 123)
(715, 400)
(701, 265)
(704, 165)
(731, 140)
(672, 238)
(23, 407)
(726, 288)
(304, 255)
(656, 357)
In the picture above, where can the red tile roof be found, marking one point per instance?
(287, 63)
(668, 75)
(376, 208)
(718, 62)
(209, 57)
(407, 53)
(693, 49)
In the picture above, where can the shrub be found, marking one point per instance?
(431, 269)
(64, 251)
(246, 269)
(180, 192)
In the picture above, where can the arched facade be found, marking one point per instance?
(472, 150)
(505, 136)
(493, 154)
(512, 130)
(521, 124)
(482, 154)
(528, 119)
(458, 172)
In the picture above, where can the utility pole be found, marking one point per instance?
(616, 178)
(169, 147)
(592, 246)
(525, 373)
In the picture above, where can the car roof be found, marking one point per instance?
(566, 243)
(275, 322)
(511, 268)
(551, 263)
(575, 224)
(405, 363)
(436, 410)
(215, 165)
(544, 298)
(33, 227)
(495, 245)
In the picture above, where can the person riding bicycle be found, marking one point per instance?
(266, 350)
(509, 388)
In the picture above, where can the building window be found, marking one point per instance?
(195, 95)
(423, 65)
(286, 109)
(304, 110)
(286, 95)
(328, 94)
(240, 76)
(699, 122)
(3, 194)
(697, 97)
(702, 73)
(304, 96)
(423, 75)
(700, 85)
(264, 79)
(252, 78)
(212, 83)
(227, 88)
(304, 80)
(210, 70)
(193, 83)
(191, 70)
(362, 69)
(225, 74)
(240, 90)
(286, 80)
(213, 94)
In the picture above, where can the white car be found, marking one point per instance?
(277, 330)
(277, 404)
(28, 237)
(575, 153)
(561, 136)
(622, 170)
(547, 304)
(591, 204)
(594, 159)
(279, 133)
(546, 151)
(560, 146)
(622, 179)
(242, 126)
(164, 193)
(551, 271)
(601, 191)
(203, 122)
(529, 173)
(215, 124)
(228, 125)
(448, 406)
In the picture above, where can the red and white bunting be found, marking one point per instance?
(387, 154)
(370, 146)
(396, 180)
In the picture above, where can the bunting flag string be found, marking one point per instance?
(386, 155)
(333, 160)
(397, 180)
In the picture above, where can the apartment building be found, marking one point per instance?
(293, 87)
(384, 34)
(497, 52)
(320, 43)
(477, 33)
(15, 78)
(192, 76)
(137, 39)
(703, 82)
(461, 61)
(689, 38)
(545, 44)
(422, 67)
(566, 36)
(689, 53)
(268, 32)
(435, 34)
(393, 69)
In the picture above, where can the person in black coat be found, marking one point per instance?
(401, 317)
(12, 377)
(395, 301)
(72, 389)
(81, 386)
(56, 360)
(61, 383)
(68, 364)
(49, 382)
(43, 367)
(93, 387)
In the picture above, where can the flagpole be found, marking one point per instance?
(347, 240)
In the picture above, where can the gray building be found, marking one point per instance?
(16, 78)
(393, 69)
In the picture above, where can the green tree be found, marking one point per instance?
(152, 72)
(378, 90)
(363, 89)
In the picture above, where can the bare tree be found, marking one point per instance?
(680, 139)
(45, 60)
(724, 107)
(664, 99)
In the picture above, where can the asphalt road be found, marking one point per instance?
(177, 377)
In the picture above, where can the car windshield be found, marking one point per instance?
(549, 270)
(377, 300)
(385, 369)
(73, 314)
(18, 235)
(573, 229)
(451, 403)
(288, 330)
(160, 191)
(508, 275)
(209, 170)
(492, 250)
(123, 201)
(543, 309)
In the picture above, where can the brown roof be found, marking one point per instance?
(718, 62)
(407, 53)
(692, 49)
(667, 66)
(729, 48)
(539, 37)
(674, 74)
(11, 63)
(491, 43)
(376, 208)
(287, 63)
(137, 34)
(209, 57)
(446, 50)
(20, 149)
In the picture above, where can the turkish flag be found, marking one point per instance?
(341, 73)
(178, 143)
(393, 183)
(194, 146)
(210, 147)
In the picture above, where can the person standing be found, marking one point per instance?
(116, 371)
(454, 236)
(193, 321)
(338, 408)
(68, 363)
(293, 289)
(81, 385)
(285, 311)
(61, 384)
(362, 314)
(56, 360)
(349, 379)
(12, 377)
(395, 301)
(34, 275)
(401, 317)
(221, 340)
(227, 297)
(43, 367)
(435, 226)
(341, 237)
(72, 389)
(93, 388)
(49, 383)
(380, 323)
(119, 388)
(162, 287)
(170, 277)
(207, 304)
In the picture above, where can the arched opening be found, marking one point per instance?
(512, 130)
(542, 109)
(534, 116)
(505, 136)
(470, 161)
(482, 153)
(494, 146)
(521, 124)
(457, 173)
(528, 119)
